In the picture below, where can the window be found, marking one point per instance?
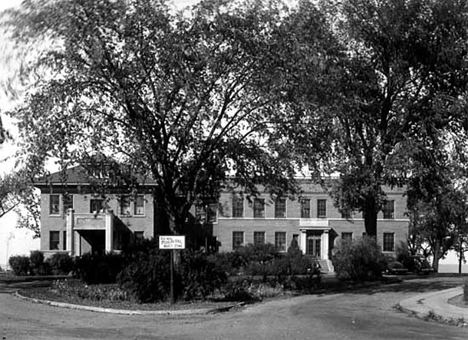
(237, 239)
(259, 208)
(280, 240)
(54, 240)
(347, 237)
(237, 206)
(64, 247)
(212, 213)
(388, 242)
(259, 238)
(95, 205)
(389, 210)
(54, 208)
(139, 236)
(280, 208)
(346, 214)
(139, 205)
(321, 208)
(200, 214)
(125, 205)
(67, 203)
(305, 208)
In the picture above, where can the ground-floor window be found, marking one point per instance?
(388, 242)
(280, 240)
(139, 236)
(347, 237)
(237, 239)
(64, 247)
(259, 238)
(54, 240)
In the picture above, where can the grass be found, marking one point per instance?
(48, 294)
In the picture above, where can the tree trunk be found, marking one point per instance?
(435, 260)
(370, 217)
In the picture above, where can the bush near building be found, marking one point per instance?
(20, 265)
(359, 260)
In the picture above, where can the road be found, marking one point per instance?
(365, 314)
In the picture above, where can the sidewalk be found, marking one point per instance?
(436, 304)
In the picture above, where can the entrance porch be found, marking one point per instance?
(315, 241)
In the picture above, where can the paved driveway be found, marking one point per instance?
(367, 314)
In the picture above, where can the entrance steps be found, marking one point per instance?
(326, 266)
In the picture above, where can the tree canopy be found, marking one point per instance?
(191, 99)
(248, 91)
(402, 85)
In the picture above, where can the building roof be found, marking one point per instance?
(79, 175)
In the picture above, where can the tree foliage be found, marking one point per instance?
(189, 99)
(17, 194)
(403, 83)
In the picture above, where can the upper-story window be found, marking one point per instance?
(67, 202)
(237, 206)
(322, 208)
(200, 214)
(389, 210)
(125, 205)
(96, 205)
(206, 213)
(54, 207)
(305, 208)
(139, 205)
(259, 208)
(346, 214)
(212, 213)
(280, 208)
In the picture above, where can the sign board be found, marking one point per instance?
(171, 242)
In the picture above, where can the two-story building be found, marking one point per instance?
(76, 219)
(310, 218)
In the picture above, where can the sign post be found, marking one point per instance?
(172, 243)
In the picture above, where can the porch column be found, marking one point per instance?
(109, 230)
(70, 232)
(325, 242)
(302, 242)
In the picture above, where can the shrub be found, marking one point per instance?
(199, 276)
(20, 265)
(147, 276)
(359, 260)
(37, 264)
(61, 263)
(97, 268)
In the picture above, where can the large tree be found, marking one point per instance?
(403, 78)
(17, 194)
(188, 99)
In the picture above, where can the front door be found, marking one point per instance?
(314, 245)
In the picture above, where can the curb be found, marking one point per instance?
(130, 312)
(435, 306)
